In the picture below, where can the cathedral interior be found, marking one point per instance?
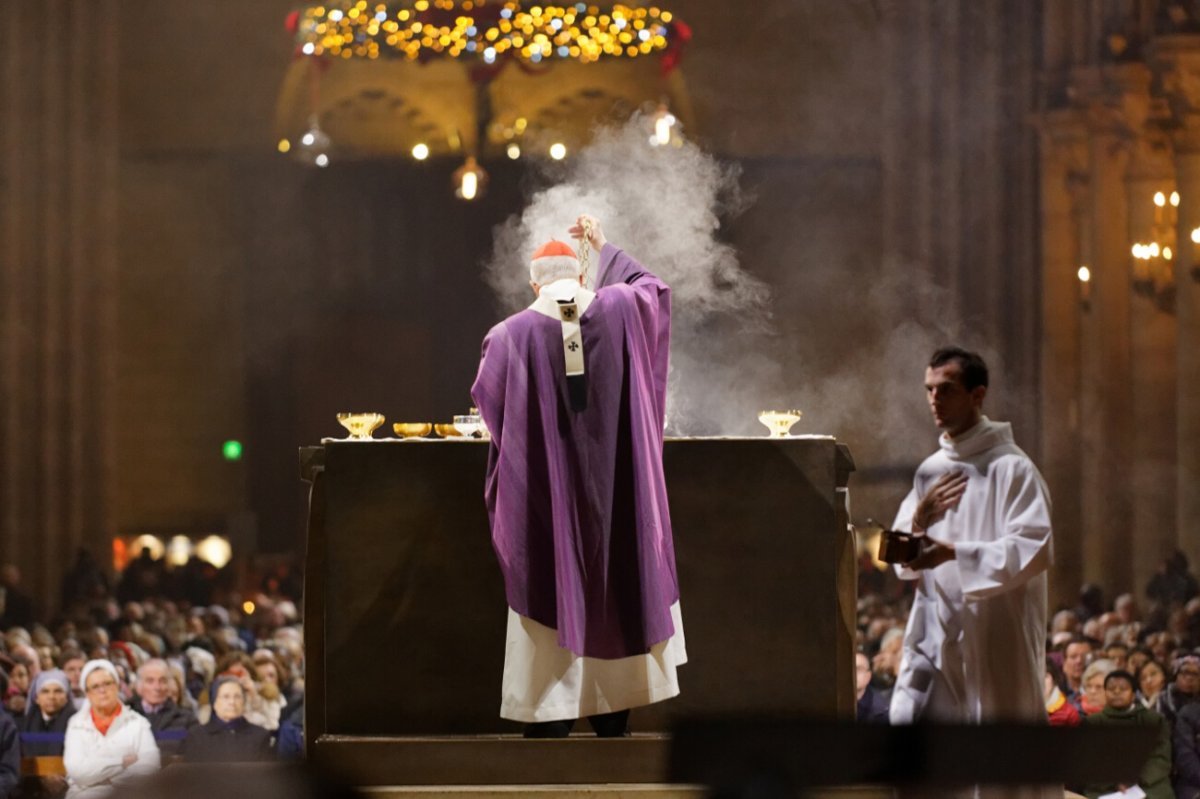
(190, 296)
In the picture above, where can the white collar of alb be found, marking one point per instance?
(980, 438)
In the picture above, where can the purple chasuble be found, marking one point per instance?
(577, 500)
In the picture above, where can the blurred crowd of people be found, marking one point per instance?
(1124, 662)
(168, 664)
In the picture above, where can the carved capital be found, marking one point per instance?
(1175, 60)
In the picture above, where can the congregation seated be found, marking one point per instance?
(17, 693)
(44, 725)
(1121, 709)
(1184, 688)
(107, 744)
(1151, 679)
(228, 736)
(1092, 699)
(168, 720)
(10, 755)
(1060, 712)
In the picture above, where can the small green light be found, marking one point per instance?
(232, 450)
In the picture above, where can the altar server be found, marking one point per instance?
(974, 648)
(573, 392)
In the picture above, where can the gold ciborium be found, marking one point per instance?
(361, 425)
(779, 422)
(446, 431)
(412, 429)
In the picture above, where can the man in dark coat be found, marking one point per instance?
(16, 608)
(10, 755)
(169, 721)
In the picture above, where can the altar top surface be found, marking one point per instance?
(670, 439)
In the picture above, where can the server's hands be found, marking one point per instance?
(944, 495)
(933, 554)
(596, 239)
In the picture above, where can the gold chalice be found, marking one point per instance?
(412, 429)
(779, 422)
(361, 425)
(447, 431)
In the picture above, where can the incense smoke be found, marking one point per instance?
(845, 342)
(663, 205)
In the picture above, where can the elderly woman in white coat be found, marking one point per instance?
(107, 743)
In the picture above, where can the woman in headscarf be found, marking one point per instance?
(227, 736)
(45, 721)
(107, 743)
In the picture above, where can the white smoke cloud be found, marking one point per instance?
(664, 206)
(729, 358)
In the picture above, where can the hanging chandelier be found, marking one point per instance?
(475, 79)
(1153, 260)
(487, 30)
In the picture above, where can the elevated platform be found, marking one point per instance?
(405, 609)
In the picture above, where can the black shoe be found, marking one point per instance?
(611, 725)
(549, 729)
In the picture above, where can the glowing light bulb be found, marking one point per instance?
(663, 124)
(558, 151)
(1175, 199)
(284, 145)
(248, 607)
(1085, 274)
(321, 160)
(469, 180)
(1154, 250)
(420, 151)
(1167, 253)
(1137, 250)
(1160, 199)
(307, 139)
(1196, 235)
(514, 151)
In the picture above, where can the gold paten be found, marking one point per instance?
(412, 429)
(361, 425)
(779, 422)
(446, 431)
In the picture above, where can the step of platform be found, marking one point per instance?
(599, 791)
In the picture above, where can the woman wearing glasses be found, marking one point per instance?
(107, 743)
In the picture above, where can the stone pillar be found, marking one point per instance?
(1064, 189)
(1152, 367)
(58, 174)
(958, 184)
(1107, 396)
(1178, 58)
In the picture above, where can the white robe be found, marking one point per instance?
(544, 682)
(974, 648)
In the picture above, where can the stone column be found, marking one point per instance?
(1178, 58)
(1152, 367)
(58, 165)
(1064, 189)
(1107, 398)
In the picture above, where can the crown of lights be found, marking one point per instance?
(482, 29)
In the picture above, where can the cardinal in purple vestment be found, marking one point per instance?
(573, 391)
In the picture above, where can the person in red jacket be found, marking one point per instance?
(1060, 712)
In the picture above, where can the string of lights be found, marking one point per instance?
(481, 29)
